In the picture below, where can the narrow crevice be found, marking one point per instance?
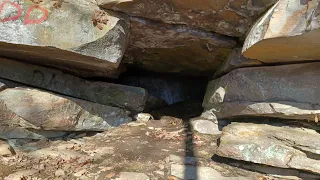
(269, 65)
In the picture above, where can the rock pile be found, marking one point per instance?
(275, 78)
(60, 63)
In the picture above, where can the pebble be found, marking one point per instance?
(205, 127)
(161, 173)
(59, 172)
(143, 117)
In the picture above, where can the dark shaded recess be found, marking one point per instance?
(172, 88)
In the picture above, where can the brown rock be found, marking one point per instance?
(231, 18)
(288, 32)
(279, 146)
(170, 48)
(67, 33)
(289, 91)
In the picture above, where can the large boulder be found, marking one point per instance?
(232, 18)
(132, 98)
(288, 91)
(35, 109)
(79, 37)
(170, 48)
(289, 31)
(278, 146)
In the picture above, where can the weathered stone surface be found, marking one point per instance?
(205, 126)
(132, 98)
(66, 33)
(132, 176)
(175, 48)
(5, 149)
(279, 146)
(287, 32)
(231, 18)
(200, 173)
(35, 109)
(236, 60)
(289, 91)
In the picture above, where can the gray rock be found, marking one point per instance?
(132, 176)
(198, 173)
(205, 126)
(288, 32)
(279, 146)
(132, 98)
(288, 91)
(230, 17)
(67, 33)
(35, 109)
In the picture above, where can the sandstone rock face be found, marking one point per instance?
(170, 48)
(132, 98)
(279, 146)
(35, 109)
(231, 18)
(287, 32)
(236, 60)
(67, 33)
(289, 91)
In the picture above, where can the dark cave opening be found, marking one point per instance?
(172, 88)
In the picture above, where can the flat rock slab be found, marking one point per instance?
(198, 173)
(35, 109)
(288, 91)
(288, 32)
(279, 146)
(67, 33)
(232, 18)
(132, 98)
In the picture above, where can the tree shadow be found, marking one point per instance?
(190, 161)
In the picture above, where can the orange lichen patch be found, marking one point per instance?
(99, 18)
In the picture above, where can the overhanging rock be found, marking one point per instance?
(69, 36)
(228, 17)
(288, 32)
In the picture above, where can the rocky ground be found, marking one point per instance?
(157, 149)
